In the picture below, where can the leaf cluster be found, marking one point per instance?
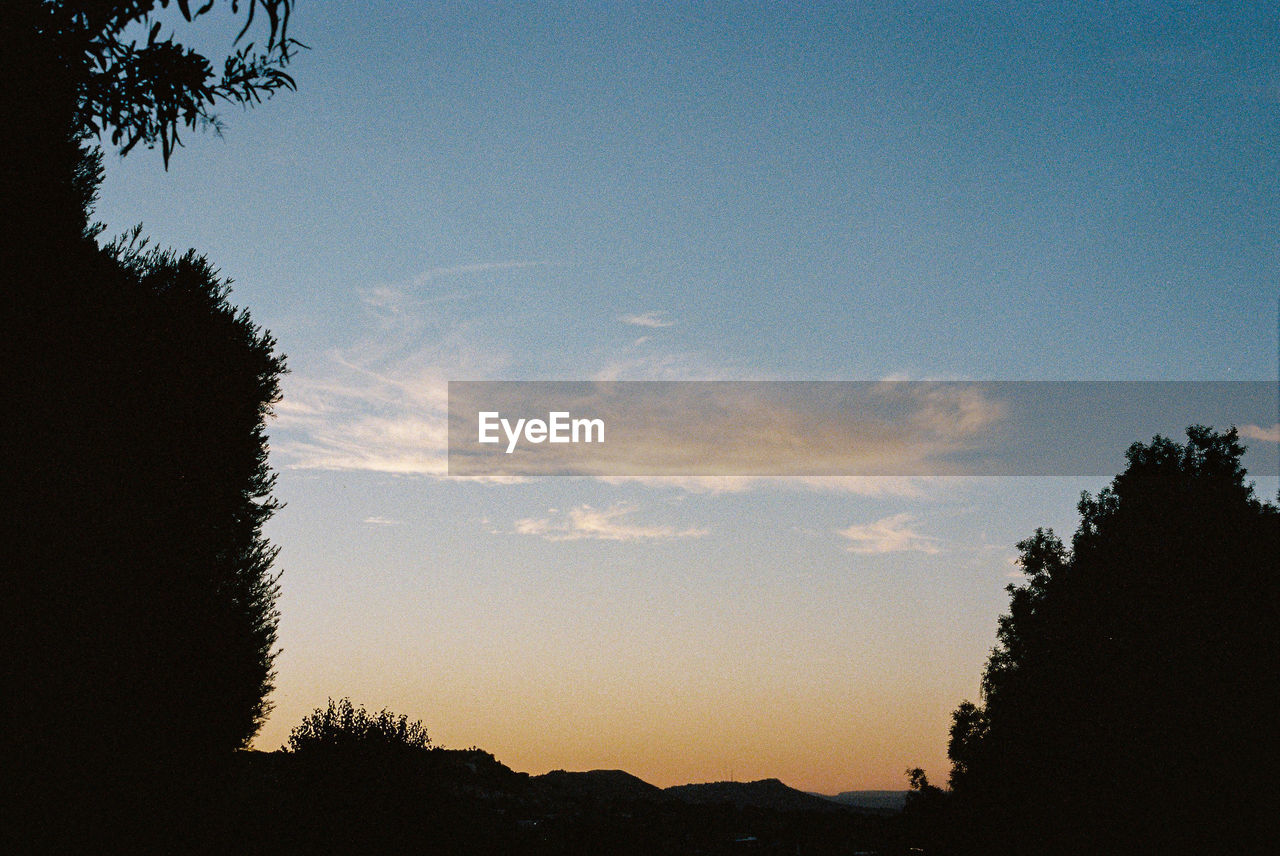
(145, 89)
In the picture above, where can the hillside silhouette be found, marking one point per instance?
(885, 801)
(467, 802)
(599, 785)
(766, 794)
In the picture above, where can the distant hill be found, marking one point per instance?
(766, 793)
(880, 801)
(466, 802)
(476, 771)
(598, 785)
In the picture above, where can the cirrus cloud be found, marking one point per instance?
(646, 319)
(599, 524)
(893, 534)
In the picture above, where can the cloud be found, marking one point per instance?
(660, 365)
(474, 268)
(657, 366)
(380, 403)
(892, 534)
(741, 429)
(608, 524)
(381, 521)
(363, 419)
(912, 487)
(1264, 435)
(646, 319)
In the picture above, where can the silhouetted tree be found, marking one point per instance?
(139, 611)
(142, 559)
(140, 600)
(924, 814)
(375, 780)
(71, 70)
(1135, 670)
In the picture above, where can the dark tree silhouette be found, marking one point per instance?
(1134, 673)
(924, 813)
(143, 491)
(139, 611)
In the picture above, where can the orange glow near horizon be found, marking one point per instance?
(768, 648)
(664, 730)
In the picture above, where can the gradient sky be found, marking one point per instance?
(715, 191)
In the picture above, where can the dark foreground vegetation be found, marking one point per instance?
(465, 802)
(1127, 709)
(350, 781)
(1125, 706)
(138, 608)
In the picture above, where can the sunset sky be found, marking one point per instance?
(601, 191)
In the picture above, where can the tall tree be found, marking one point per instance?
(139, 603)
(1134, 669)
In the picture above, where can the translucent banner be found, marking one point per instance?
(840, 428)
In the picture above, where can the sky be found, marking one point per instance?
(745, 191)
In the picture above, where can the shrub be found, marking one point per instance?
(343, 728)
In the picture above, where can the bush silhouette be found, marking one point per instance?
(342, 728)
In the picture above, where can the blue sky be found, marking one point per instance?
(712, 191)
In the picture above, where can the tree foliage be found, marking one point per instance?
(139, 615)
(1131, 668)
(141, 86)
(342, 728)
(141, 568)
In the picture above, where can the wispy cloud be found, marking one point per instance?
(655, 366)
(894, 534)
(473, 268)
(741, 429)
(911, 487)
(647, 319)
(1265, 435)
(380, 404)
(381, 521)
(360, 419)
(599, 524)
